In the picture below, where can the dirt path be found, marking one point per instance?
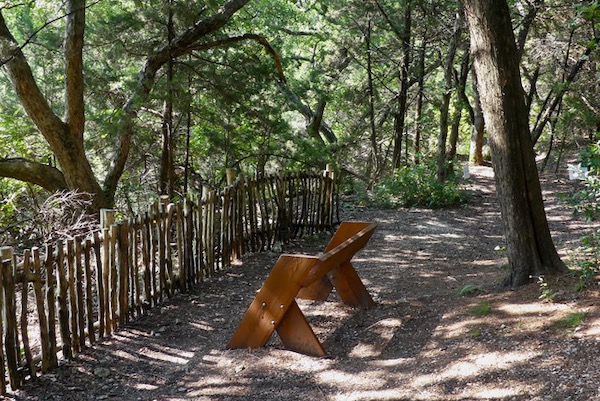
(421, 342)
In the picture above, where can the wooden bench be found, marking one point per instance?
(307, 277)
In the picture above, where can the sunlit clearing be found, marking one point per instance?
(384, 363)
(337, 377)
(145, 386)
(494, 393)
(363, 350)
(475, 365)
(388, 394)
(202, 326)
(180, 359)
(437, 225)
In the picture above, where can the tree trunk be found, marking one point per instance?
(167, 168)
(460, 102)
(419, 104)
(530, 249)
(400, 116)
(445, 108)
(373, 137)
(476, 149)
(64, 138)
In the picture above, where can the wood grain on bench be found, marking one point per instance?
(308, 277)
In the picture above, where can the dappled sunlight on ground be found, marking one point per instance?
(422, 341)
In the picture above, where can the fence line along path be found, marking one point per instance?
(60, 298)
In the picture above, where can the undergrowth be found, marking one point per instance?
(416, 186)
(586, 258)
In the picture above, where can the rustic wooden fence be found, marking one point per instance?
(57, 300)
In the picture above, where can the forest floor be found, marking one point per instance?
(422, 341)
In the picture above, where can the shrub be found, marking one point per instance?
(418, 186)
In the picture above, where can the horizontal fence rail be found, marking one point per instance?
(57, 300)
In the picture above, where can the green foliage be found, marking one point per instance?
(572, 320)
(547, 294)
(481, 309)
(586, 260)
(470, 290)
(418, 186)
(474, 333)
(586, 201)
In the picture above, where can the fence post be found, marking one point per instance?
(9, 317)
(107, 218)
(230, 173)
(5, 254)
(329, 195)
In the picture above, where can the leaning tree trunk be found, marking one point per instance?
(65, 138)
(530, 249)
(400, 117)
(476, 150)
(445, 108)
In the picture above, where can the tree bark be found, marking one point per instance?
(530, 249)
(445, 108)
(419, 104)
(476, 149)
(64, 138)
(48, 177)
(372, 126)
(460, 102)
(400, 115)
(180, 45)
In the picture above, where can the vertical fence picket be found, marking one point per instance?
(138, 249)
(11, 341)
(106, 268)
(26, 274)
(4, 259)
(79, 296)
(51, 294)
(74, 325)
(63, 306)
(153, 226)
(146, 259)
(89, 307)
(123, 273)
(180, 278)
(41, 309)
(201, 237)
(133, 261)
(99, 285)
(168, 241)
(139, 262)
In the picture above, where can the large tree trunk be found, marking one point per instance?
(64, 138)
(530, 249)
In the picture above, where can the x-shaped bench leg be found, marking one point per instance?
(347, 284)
(275, 308)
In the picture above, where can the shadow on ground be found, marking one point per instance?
(421, 342)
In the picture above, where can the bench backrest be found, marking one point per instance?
(349, 238)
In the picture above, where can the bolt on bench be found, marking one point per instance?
(306, 277)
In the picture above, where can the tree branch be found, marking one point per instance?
(73, 44)
(545, 117)
(292, 98)
(146, 77)
(248, 36)
(29, 94)
(46, 176)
